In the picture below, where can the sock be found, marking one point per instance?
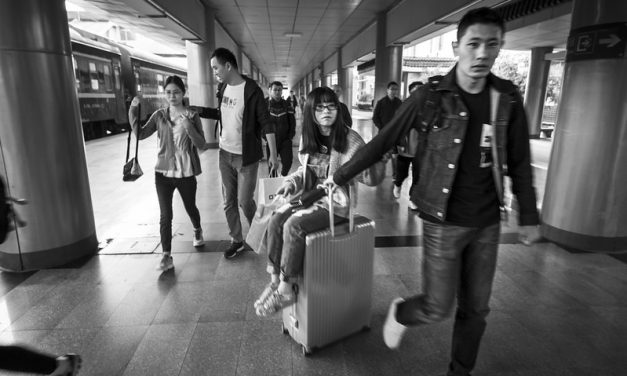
(274, 278)
(285, 288)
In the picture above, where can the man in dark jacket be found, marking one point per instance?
(472, 128)
(243, 116)
(383, 112)
(284, 123)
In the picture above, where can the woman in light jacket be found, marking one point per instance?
(326, 144)
(180, 136)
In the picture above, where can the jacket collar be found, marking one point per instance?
(448, 83)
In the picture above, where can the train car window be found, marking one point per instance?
(83, 73)
(107, 78)
(93, 75)
(77, 81)
(137, 80)
(116, 76)
(160, 83)
(101, 76)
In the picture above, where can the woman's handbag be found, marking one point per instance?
(132, 171)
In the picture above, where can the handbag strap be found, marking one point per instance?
(130, 131)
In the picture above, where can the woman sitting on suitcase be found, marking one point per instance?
(326, 144)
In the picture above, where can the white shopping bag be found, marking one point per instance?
(268, 188)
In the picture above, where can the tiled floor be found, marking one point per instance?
(553, 312)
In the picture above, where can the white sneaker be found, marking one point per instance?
(198, 240)
(412, 206)
(166, 263)
(396, 192)
(393, 331)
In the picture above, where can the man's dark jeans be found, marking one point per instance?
(457, 261)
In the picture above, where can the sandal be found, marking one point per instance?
(275, 302)
(270, 288)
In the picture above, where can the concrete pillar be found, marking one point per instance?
(42, 153)
(323, 77)
(200, 79)
(536, 88)
(585, 200)
(388, 62)
(347, 85)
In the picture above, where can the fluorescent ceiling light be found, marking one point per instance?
(293, 35)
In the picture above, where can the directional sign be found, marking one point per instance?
(605, 41)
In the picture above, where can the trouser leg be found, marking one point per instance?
(165, 192)
(285, 152)
(442, 247)
(22, 359)
(402, 169)
(187, 189)
(475, 288)
(228, 173)
(246, 190)
(295, 231)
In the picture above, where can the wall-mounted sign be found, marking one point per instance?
(605, 41)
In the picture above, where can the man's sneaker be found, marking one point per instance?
(412, 206)
(396, 192)
(198, 240)
(392, 330)
(234, 250)
(274, 303)
(166, 263)
(270, 288)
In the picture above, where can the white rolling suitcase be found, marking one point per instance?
(334, 294)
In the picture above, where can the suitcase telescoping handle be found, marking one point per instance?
(330, 188)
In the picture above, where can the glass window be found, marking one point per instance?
(77, 81)
(137, 81)
(160, 83)
(116, 75)
(107, 78)
(83, 74)
(93, 75)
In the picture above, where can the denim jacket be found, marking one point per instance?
(442, 129)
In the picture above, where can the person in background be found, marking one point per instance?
(284, 123)
(292, 100)
(405, 157)
(383, 112)
(346, 113)
(244, 118)
(461, 157)
(327, 142)
(180, 136)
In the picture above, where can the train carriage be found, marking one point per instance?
(108, 75)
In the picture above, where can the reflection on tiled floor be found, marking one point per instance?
(554, 312)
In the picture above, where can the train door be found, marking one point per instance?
(121, 97)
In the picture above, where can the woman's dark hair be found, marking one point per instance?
(176, 80)
(480, 16)
(311, 132)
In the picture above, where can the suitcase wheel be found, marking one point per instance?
(284, 329)
(366, 328)
(305, 350)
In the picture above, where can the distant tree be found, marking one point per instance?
(513, 66)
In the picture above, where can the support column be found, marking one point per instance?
(585, 200)
(536, 88)
(200, 79)
(42, 153)
(347, 85)
(388, 62)
(323, 77)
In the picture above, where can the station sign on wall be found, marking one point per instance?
(606, 41)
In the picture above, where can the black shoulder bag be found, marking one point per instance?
(132, 171)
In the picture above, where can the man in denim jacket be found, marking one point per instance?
(466, 145)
